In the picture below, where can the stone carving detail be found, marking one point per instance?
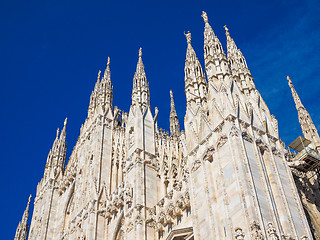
(272, 233)
(246, 137)
(207, 156)
(234, 132)
(262, 146)
(131, 137)
(196, 164)
(239, 235)
(256, 232)
(286, 237)
(276, 152)
(221, 141)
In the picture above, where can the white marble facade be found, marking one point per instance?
(224, 177)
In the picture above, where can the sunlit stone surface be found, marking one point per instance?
(227, 176)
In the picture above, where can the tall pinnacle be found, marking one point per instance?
(26, 212)
(174, 121)
(57, 155)
(233, 53)
(214, 56)
(295, 95)
(238, 64)
(102, 97)
(191, 55)
(195, 82)
(307, 126)
(140, 91)
(23, 226)
(96, 86)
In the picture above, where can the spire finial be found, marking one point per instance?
(58, 130)
(140, 67)
(227, 29)
(140, 52)
(63, 132)
(188, 36)
(289, 81)
(99, 73)
(227, 33)
(107, 71)
(172, 101)
(204, 16)
(29, 200)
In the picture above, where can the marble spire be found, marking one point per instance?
(308, 128)
(174, 121)
(23, 226)
(140, 91)
(195, 82)
(238, 65)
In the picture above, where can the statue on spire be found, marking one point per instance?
(140, 52)
(204, 16)
(188, 36)
(227, 31)
(107, 69)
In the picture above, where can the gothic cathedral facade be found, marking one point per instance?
(227, 175)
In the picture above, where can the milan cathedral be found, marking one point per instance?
(227, 175)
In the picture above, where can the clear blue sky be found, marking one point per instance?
(51, 51)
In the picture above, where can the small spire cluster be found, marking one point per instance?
(102, 95)
(57, 155)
